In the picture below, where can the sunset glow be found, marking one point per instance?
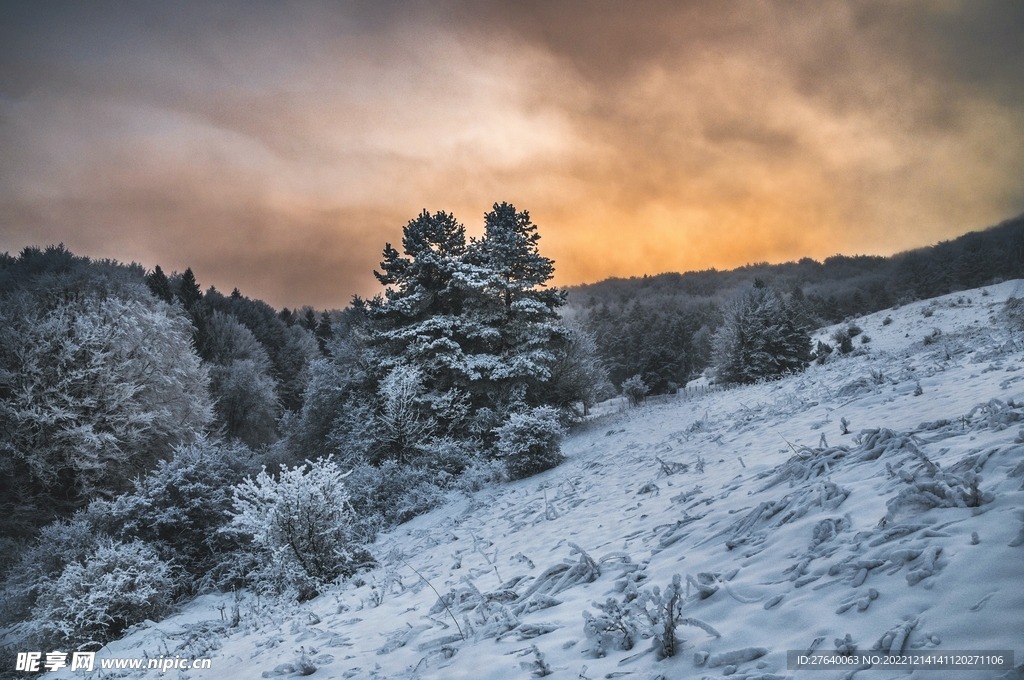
(277, 147)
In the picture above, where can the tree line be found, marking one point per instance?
(157, 441)
(178, 440)
(662, 327)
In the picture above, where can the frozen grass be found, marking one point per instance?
(785, 533)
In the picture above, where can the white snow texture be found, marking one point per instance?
(904, 534)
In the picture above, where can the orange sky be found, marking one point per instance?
(276, 147)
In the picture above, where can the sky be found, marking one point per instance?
(277, 146)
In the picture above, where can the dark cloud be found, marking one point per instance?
(277, 146)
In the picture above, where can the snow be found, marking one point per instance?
(789, 536)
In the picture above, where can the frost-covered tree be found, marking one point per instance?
(246, 403)
(403, 424)
(93, 390)
(760, 337)
(466, 334)
(474, 317)
(339, 406)
(579, 376)
(302, 521)
(290, 349)
(635, 389)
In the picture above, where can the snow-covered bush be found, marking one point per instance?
(1013, 311)
(481, 474)
(529, 442)
(843, 340)
(179, 509)
(94, 600)
(822, 351)
(448, 455)
(635, 390)
(392, 493)
(647, 614)
(59, 544)
(302, 521)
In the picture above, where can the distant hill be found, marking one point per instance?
(660, 326)
(859, 283)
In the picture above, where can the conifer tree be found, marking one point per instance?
(308, 320)
(159, 285)
(324, 332)
(474, 319)
(188, 290)
(760, 337)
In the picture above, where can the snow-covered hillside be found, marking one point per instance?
(903, 532)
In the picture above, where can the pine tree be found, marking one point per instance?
(760, 337)
(188, 290)
(324, 332)
(474, 318)
(159, 285)
(308, 320)
(420, 284)
(475, 321)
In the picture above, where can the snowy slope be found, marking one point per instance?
(790, 532)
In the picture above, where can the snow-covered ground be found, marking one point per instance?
(787, 533)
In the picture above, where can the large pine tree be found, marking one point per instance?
(476, 320)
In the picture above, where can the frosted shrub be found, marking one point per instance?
(392, 493)
(481, 474)
(302, 522)
(529, 442)
(59, 544)
(635, 390)
(843, 340)
(647, 614)
(179, 509)
(95, 600)
(822, 351)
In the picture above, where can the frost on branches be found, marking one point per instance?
(93, 391)
(303, 521)
(529, 442)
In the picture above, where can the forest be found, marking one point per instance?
(662, 327)
(158, 441)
